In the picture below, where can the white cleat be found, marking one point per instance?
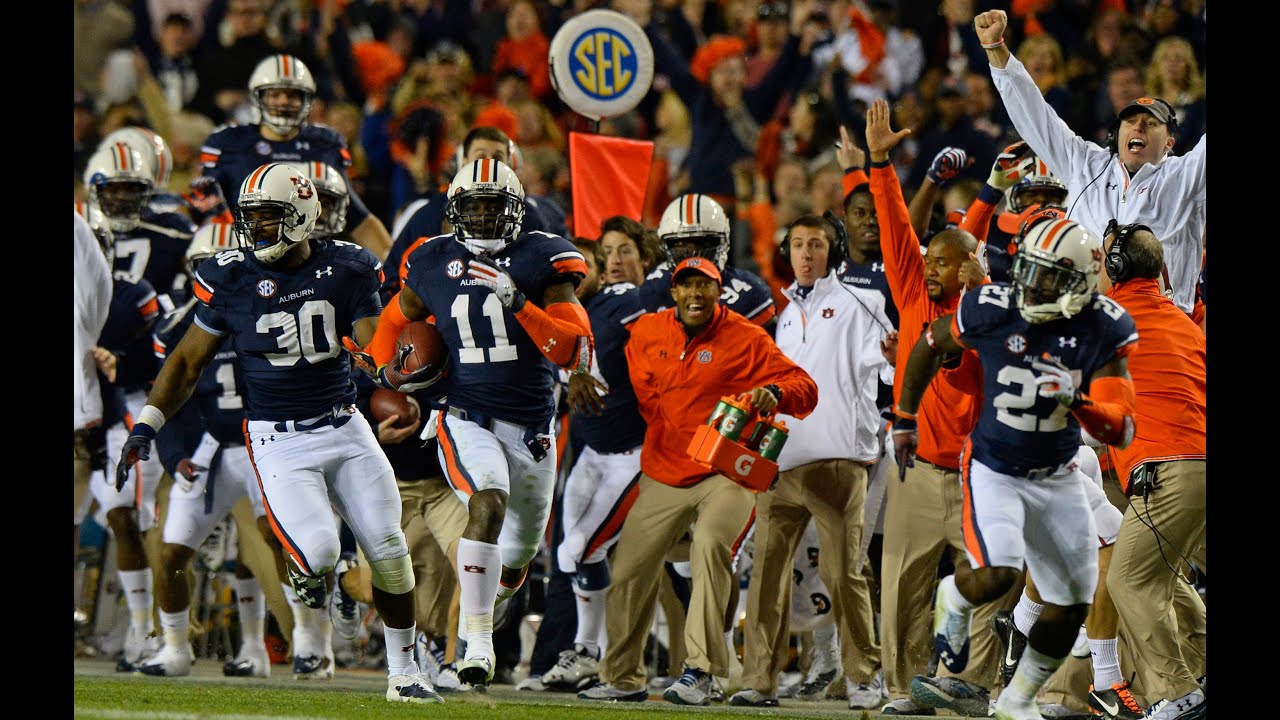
(575, 670)
(313, 667)
(248, 664)
(1010, 708)
(169, 662)
(138, 646)
(477, 671)
(414, 688)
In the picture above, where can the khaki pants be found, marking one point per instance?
(432, 518)
(922, 519)
(833, 493)
(1144, 586)
(720, 510)
(80, 468)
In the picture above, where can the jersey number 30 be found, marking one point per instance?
(298, 339)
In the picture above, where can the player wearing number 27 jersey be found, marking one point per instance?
(504, 303)
(1052, 353)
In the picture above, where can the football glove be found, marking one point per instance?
(947, 164)
(497, 280)
(1055, 380)
(1008, 168)
(136, 447)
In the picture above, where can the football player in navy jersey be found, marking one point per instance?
(504, 303)
(282, 89)
(282, 301)
(424, 218)
(124, 360)
(603, 484)
(692, 225)
(1053, 356)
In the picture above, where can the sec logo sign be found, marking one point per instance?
(601, 63)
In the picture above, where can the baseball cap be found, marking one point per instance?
(700, 265)
(1158, 108)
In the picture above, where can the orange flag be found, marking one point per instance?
(609, 178)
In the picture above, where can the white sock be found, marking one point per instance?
(728, 643)
(824, 642)
(139, 597)
(955, 600)
(479, 569)
(253, 613)
(1106, 663)
(175, 627)
(1026, 613)
(590, 618)
(1033, 672)
(303, 640)
(400, 649)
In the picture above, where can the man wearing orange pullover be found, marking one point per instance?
(922, 514)
(1163, 471)
(681, 362)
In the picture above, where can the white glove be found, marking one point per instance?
(498, 281)
(191, 478)
(1055, 381)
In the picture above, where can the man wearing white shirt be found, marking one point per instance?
(1133, 180)
(91, 290)
(833, 332)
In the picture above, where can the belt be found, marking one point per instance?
(484, 421)
(1041, 473)
(533, 440)
(339, 416)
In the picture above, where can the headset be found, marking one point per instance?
(1113, 135)
(1118, 265)
(839, 249)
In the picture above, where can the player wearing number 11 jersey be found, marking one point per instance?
(282, 301)
(504, 303)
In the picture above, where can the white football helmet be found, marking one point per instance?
(699, 225)
(1055, 270)
(485, 206)
(154, 150)
(119, 183)
(289, 73)
(333, 197)
(1036, 177)
(209, 240)
(277, 209)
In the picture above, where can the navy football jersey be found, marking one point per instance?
(619, 427)
(1018, 429)
(494, 367)
(743, 292)
(219, 393)
(154, 251)
(127, 332)
(869, 276)
(231, 152)
(286, 326)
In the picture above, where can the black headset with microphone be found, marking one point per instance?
(1118, 264)
(839, 249)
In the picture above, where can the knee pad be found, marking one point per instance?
(593, 576)
(394, 576)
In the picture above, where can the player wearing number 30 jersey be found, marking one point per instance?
(282, 301)
(504, 303)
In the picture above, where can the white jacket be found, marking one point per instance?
(1169, 197)
(91, 293)
(834, 334)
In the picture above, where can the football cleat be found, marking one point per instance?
(412, 688)
(169, 662)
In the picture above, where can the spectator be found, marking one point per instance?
(770, 32)
(670, 148)
(438, 22)
(1043, 58)
(525, 47)
(99, 27)
(882, 58)
(223, 73)
(84, 133)
(174, 65)
(809, 135)
(673, 489)
(1123, 85)
(1174, 74)
(952, 127)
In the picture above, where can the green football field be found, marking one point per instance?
(358, 695)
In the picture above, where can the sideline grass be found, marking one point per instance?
(129, 699)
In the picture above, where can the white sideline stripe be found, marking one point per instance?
(115, 714)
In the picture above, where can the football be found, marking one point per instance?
(428, 346)
(384, 403)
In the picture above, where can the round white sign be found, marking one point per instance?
(601, 63)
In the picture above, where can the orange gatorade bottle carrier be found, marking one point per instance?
(740, 443)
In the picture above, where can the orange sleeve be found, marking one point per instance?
(640, 372)
(903, 263)
(967, 377)
(562, 332)
(978, 219)
(391, 323)
(1107, 411)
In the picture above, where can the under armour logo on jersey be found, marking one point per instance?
(551, 342)
(1066, 342)
(662, 354)
(477, 569)
(304, 145)
(504, 262)
(327, 271)
(877, 267)
(1112, 186)
(704, 356)
(828, 312)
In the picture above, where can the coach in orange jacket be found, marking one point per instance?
(682, 361)
(1168, 454)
